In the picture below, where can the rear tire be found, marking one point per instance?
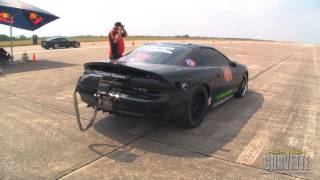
(243, 87)
(196, 108)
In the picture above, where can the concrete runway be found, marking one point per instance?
(39, 138)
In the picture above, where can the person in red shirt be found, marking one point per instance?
(116, 42)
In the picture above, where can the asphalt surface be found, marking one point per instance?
(39, 137)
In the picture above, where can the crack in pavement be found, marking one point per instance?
(270, 67)
(108, 153)
(45, 106)
(221, 158)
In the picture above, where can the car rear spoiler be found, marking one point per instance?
(121, 71)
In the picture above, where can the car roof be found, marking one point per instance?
(191, 45)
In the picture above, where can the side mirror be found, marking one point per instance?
(232, 64)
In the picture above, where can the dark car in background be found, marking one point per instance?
(59, 42)
(165, 80)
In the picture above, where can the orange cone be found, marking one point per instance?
(132, 43)
(34, 59)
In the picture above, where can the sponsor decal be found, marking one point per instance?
(209, 101)
(6, 17)
(190, 62)
(34, 18)
(223, 95)
(227, 73)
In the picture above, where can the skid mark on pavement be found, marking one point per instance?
(310, 135)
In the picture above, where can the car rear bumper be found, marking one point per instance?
(163, 107)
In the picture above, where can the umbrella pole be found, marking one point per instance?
(11, 43)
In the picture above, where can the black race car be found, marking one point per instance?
(58, 42)
(167, 80)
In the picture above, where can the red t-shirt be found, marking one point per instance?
(116, 49)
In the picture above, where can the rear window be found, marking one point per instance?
(158, 54)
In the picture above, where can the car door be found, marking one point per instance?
(63, 42)
(223, 76)
(231, 75)
(203, 58)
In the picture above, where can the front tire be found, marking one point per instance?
(196, 108)
(243, 87)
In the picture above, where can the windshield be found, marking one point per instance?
(53, 38)
(158, 54)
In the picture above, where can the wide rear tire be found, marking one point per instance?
(196, 108)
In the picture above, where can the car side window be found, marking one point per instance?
(211, 57)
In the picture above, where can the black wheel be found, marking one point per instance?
(243, 87)
(196, 108)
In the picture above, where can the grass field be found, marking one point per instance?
(15, 43)
(104, 38)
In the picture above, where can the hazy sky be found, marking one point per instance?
(284, 20)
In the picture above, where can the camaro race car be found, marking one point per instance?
(166, 80)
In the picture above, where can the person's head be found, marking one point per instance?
(118, 25)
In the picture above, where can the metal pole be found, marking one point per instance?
(11, 42)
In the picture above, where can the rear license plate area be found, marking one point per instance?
(103, 89)
(106, 101)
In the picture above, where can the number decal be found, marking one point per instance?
(227, 74)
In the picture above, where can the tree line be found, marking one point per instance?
(4, 37)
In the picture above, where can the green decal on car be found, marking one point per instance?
(223, 95)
